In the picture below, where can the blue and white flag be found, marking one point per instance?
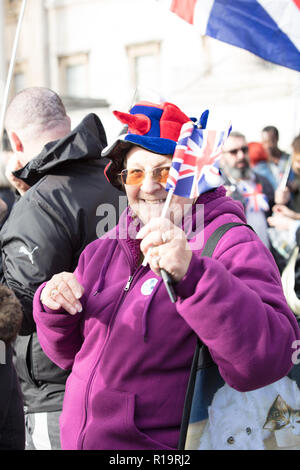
(268, 28)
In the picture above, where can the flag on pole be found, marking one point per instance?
(268, 28)
(195, 164)
(256, 200)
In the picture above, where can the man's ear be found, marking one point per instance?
(15, 142)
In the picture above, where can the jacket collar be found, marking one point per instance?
(85, 142)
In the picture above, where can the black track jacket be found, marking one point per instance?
(46, 232)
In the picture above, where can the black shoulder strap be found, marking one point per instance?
(207, 251)
(217, 235)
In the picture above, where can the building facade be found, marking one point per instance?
(101, 55)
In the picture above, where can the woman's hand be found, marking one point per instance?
(63, 291)
(280, 222)
(284, 210)
(169, 247)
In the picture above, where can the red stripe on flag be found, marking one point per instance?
(185, 9)
(174, 180)
(186, 172)
(190, 159)
(297, 3)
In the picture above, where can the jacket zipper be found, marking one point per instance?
(92, 376)
(129, 282)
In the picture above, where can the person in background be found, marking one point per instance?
(259, 162)
(7, 193)
(130, 348)
(278, 159)
(290, 194)
(63, 186)
(12, 428)
(286, 214)
(253, 190)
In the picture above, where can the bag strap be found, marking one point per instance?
(208, 250)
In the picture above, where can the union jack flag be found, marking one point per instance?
(195, 165)
(256, 200)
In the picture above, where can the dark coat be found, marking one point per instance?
(12, 428)
(46, 232)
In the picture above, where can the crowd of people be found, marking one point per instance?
(99, 357)
(266, 180)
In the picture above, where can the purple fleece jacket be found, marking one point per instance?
(130, 349)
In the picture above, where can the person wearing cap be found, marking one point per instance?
(112, 322)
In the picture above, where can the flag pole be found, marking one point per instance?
(167, 203)
(164, 274)
(201, 124)
(163, 215)
(10, 71)
(286, 173)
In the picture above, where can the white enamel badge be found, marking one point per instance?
(148, 286)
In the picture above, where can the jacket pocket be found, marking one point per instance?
(22, 353)
(42, 369)
(72, 416)
(111, 424)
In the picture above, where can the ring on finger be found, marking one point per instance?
(164, 237)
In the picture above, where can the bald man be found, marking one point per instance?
(47, 230)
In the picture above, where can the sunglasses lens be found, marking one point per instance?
(235, 151)
(135, 177)
(132, 177)
(161, 174)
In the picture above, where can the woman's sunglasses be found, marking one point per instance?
(135, 176)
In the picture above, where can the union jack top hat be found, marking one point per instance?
(154, 127)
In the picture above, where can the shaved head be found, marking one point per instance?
(35, 117)
(38, 109)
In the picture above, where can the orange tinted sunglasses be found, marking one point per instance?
(136, 176)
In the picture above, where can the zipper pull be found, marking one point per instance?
(128, 284)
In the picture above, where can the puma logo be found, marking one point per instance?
(24, 250)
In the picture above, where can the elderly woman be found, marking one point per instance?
(112, 322)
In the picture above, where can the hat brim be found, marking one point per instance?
(117, 151)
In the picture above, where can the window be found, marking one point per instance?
(19, 82)
(74, 75)
(19, 78)
(144, 67)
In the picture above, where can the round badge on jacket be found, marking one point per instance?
(148, 286)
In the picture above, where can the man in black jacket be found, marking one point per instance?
(69, 204)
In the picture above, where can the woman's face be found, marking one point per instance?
(147, 199)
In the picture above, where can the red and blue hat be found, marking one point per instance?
(154, 127)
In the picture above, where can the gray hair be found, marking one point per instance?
(237, 134)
